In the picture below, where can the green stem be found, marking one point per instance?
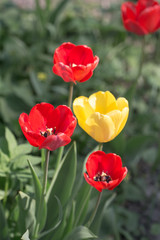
(141, 61)
(44, 186)
(70, 95)
(60, 153)
(95, 210)
(132, 91)
(45, 173)
(100, 146)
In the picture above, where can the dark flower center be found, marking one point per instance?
(103, 177)
(48, 132)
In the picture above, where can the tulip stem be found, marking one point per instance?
(141, 61)
(43, 193)
(70, 95)
(45, 173)
(95, 210)
(100, 146)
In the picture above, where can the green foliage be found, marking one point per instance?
(28, 40)
(26, 218)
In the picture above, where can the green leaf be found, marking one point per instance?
(80, 233)
(56, 12)
(12, 143)
(20, 162)
(101, 209)
(58, 221)
(41, 208)
(82, 200)
(62, 184)
(22, 149)
(26, 218)
(4, 234)
(70, 220)
(4, 159)
(25, 236)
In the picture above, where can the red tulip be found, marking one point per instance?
(142, 17)
(104, 171)
(48, 127)
(74, 63)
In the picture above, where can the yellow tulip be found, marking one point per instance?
(101, 115)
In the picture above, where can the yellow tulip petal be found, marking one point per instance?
(125, 113)
(82, 108)
(103, 102)
(100, 127)
(122, 103)
(119, 118)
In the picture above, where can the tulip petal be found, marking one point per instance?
(121, 175)
(150, 18)
(80, 71)
(82, 108)
(33, 138)
(66, 122)
(124, 117)
(64, 72)
(81, 55)
(94, 184)
(119, 118)
(103, 102)
(53, 142)
(99, 163)
(110, 163)
(135, 27)
(122, 103)
(36, 119)
(128, 11)
(62, 52)
(93, 164)
(88, 76)
(100, 127)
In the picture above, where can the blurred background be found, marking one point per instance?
(29, 33)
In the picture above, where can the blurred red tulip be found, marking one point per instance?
(48, 127)
(104, 171)
(142, 17)
(74, 63)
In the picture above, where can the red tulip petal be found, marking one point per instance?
(88, 76)
(93, 183)
(33, 138)
(80, 72)
(83, 73)
(24, 122)
(67, 122)
(111, 163)
(96, 61)
(53, 142)
(99, 161)
(128, 11)
(150, 18)
(102, 185)
(120, 179)
(143, 4)
(81, 55)
(61, 53)
(36, 119)
(64, 72)
(93, 163)
(135, 27)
